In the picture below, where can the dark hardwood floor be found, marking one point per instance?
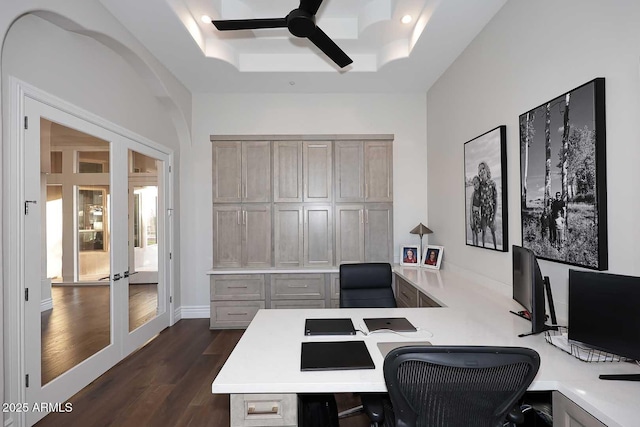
(79, 324)
(166, 383)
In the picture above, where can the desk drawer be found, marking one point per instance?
(297, 286)
(314, 303)
(407, 295)
(259, 410)
(425, 301)
(231, 287)
(233, 314)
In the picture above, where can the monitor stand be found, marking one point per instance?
(620, 377)
(552, 312)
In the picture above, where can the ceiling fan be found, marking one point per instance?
(301, 22)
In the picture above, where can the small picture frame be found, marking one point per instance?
(410, 255)
(432, 257)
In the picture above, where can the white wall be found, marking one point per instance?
(531, 52)
(402, 115)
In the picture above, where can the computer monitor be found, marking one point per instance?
(529, 289)
(604, 312)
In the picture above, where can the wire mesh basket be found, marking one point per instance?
(559, 338)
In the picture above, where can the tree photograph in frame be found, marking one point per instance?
(563, 178)
(485, 180)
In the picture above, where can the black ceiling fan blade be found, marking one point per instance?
(328, 46)
(310, 6)
(249, 24)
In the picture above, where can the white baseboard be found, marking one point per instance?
(46, 304)
(194, 312)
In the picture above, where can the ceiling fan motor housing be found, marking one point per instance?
(301, 23)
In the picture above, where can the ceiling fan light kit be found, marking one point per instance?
(300, 22)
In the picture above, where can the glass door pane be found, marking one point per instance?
(76, 253)
(143, 239)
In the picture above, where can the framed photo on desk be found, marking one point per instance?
(432, 257)
(410, 255)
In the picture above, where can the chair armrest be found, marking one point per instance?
(515, 415)
(373, 406)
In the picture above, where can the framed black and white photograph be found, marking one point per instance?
(563, 178)
(432, 257)
(485, 180)
(410, 255)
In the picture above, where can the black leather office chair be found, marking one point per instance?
(458, 386)
(367, 285)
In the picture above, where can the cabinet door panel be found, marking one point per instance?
(256, 171)
(378, 171)
(318, 234)
(227, 172)
(349, 171)
(350, 240)
(256, 243)
(227, 236)
(287, 171)
(288, 235)
(317, 171)
(566, 413)
(378, 239)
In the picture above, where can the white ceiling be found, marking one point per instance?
(388, 56)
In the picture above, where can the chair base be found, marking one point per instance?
(356, 410)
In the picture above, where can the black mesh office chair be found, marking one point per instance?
(458, 386)
(367, 285)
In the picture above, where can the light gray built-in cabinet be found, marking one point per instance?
(364, 171)
(242, 171)
(298, 202)
(364, 232)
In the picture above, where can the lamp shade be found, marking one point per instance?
(421, 229)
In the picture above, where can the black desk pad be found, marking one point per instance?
(335, 355)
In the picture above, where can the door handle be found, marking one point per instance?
(117, 277)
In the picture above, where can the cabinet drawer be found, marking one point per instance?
(566, 413)
(259, 410)
(232, 314)
(297, 286)
(425, 301)
(316, 303)
(407, 295)
(233, 287)
(335, 285)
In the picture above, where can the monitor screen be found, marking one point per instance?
(604, 312)
(528, 286)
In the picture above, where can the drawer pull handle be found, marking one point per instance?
(252, 410)
(238, 314)
(298, 286)
(236, 287)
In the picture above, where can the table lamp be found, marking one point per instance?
(421, 229)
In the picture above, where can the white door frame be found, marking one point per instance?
(13, 223)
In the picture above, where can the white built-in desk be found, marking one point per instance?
(266, 360)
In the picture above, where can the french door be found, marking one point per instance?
(95, 254)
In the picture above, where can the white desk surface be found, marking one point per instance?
(267, 357)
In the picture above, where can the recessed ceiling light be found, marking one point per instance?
(206, 19)
(292, 83)
(406, 19)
